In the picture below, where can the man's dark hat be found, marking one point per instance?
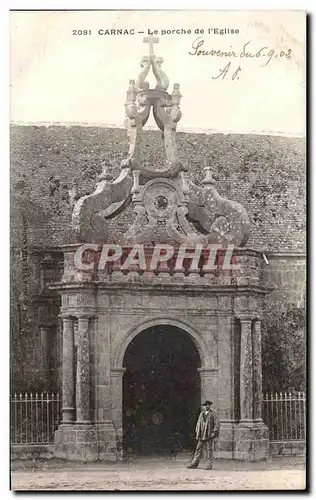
(207, 402)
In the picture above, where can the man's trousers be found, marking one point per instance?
(209, 452)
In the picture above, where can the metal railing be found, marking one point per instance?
(34, 417)
(285, 415)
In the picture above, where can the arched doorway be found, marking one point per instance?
(161, 391)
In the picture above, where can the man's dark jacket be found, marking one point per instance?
(207, 424)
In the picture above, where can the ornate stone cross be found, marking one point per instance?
(151, 40)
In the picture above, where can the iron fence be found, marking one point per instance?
(34, 417)
(285, 415)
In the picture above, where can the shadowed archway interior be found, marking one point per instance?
(161, 391)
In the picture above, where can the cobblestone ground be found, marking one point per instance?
(159, 474)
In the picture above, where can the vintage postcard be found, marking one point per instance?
(158, 258)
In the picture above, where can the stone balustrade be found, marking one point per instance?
(142, 268)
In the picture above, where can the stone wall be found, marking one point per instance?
(286, 273)
(284, 322)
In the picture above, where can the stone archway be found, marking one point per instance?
(208, 370)
(161, 390)
(208, 362)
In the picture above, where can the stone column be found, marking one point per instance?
(83, 372)
(251, 435)
(117, 399)
(246, 372)
(257, 370)
(68, 380)
(225, 371)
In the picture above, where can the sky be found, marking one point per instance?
(57, 76)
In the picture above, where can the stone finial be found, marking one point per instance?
(176, 95)
(185, 187)
(105, 176)
(131, 92)
(208, 179)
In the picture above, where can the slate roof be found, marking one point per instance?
(267, 174)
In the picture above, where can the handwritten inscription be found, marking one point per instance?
(223, 73)
(264, 54)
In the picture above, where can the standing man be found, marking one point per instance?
(207, 428)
